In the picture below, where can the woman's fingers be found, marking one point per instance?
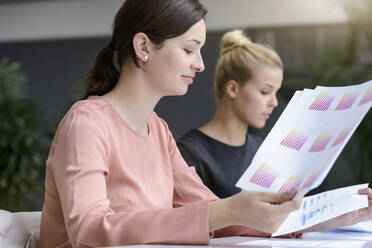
(277, 198)
(366, 191)
(289, 206)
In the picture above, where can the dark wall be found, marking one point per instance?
(55, 68)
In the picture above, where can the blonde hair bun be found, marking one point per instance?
(239, 60)
(234, 39)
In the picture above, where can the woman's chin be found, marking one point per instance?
(259, 124)
(179, 92)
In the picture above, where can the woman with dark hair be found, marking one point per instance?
(114, 175)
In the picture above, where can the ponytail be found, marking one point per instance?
(159, 20)
(103, 76)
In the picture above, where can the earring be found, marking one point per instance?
(145, 57)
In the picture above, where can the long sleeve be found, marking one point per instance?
(83, 168)
(187, 176)
(184, 176)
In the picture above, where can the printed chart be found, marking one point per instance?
(292, 182)
(320, 142)
(303, 145)
(347, 100)
(264, 176)
(322, 102)
(312, 178)
(367, 97)
(341, 136)
(307, 139)
(314, 206)
(294, 140)
(324, 206)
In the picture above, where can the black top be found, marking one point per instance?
(219, 165)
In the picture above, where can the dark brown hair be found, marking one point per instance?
(158, 19)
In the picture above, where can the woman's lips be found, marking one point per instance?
(189, 79)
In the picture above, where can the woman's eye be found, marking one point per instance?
(188, 51)
(264, 92)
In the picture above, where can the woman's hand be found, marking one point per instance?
(262, 211)
(366, 213)
(351, 218)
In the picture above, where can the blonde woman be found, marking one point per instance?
(248, 76)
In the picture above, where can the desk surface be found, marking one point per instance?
(332, 239)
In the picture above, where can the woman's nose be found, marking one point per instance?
(274, 101)
(199, 64)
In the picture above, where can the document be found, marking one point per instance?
(280, 243)
(306, 140)
(322, 207)
(365, 226)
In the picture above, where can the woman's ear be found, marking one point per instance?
(141, 43)
(232, 88)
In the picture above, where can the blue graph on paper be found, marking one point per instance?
(322, 207)
(315, 206)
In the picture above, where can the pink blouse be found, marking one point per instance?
(107, 186)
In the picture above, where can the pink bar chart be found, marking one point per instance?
(294, 140)
(341, 136)
(322, 102)
(292, 182)
(313, 176)
(320, 142)
(367, 97)
(264, 176)
(346, 101)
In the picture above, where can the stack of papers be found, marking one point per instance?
(306, 140)
(324, 206)
(365, 226)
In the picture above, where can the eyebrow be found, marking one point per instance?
(196, 41)
(271, 87)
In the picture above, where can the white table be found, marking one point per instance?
(332, 239)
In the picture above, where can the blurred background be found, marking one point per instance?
(47, 47)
